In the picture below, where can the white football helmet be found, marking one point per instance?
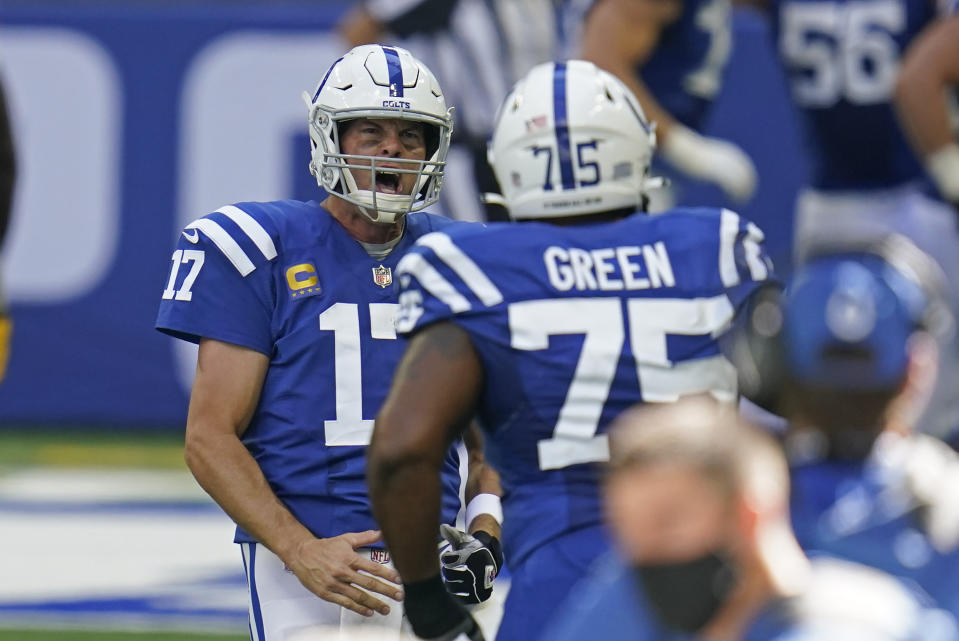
(571, 139)
(376, 81)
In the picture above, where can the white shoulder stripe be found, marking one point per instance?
(252, 229)
(225, 242)
(432, 281)
(757, 268)
(728, 230)
(465, 268)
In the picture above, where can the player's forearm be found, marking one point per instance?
(663, 121)
(620, 38)
(482, 493)
(433, 395)
(481, 479)
(405, 494)
(482, 490)
(224, 468)
(930, 67)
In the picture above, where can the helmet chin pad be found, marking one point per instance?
(382, 208)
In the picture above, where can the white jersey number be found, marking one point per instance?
(646, 324)
(180, 257)
(843, 50)
(343, 319)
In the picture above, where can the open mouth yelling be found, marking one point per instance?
(387, 182)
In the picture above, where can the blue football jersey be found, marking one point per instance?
(685, 71)
(608, 604)
(285, 279)
(575, 324)
(867, 513)
(842, 58)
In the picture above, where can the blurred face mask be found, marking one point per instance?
(686, 595)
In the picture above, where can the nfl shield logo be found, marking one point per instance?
(380, 556)
(382, 276)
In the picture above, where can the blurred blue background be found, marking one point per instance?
(131, 119)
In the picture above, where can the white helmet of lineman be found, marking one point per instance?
(375, 81)
(571, 139)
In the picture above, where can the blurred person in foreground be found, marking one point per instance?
(858, 353)
(698, 502)
(843, 60)
(478, 50)
(672, 54)
(292, 304)
(546, 329)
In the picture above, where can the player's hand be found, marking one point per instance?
(711, 159)
(470, 562)
(331, 569)
(943, 167)
(435, 614)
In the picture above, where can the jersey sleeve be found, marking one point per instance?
(219, 285)
(438, 282)
(744, 263)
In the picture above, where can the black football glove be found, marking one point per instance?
(436, 615)
(470, 563)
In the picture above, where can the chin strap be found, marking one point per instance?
(369, 203)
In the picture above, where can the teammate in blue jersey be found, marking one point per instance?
(842, 59)
(698, 504)
(858, 359)
(671, 54)
(547, 329)
(292, 304)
